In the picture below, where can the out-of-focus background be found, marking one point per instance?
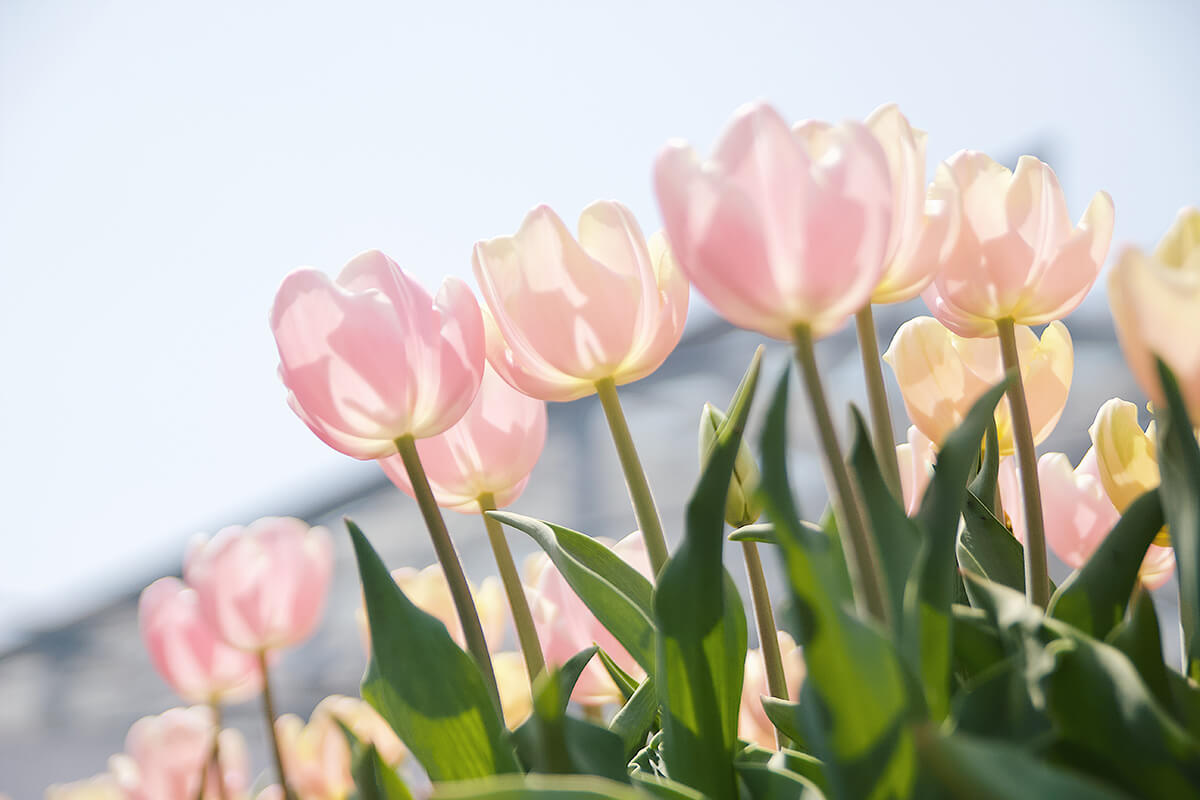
(164, 165)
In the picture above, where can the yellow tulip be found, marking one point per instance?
(1155, 302)
(1126, 455)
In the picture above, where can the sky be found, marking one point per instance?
(164, 165)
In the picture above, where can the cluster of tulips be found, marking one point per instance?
(936, 657)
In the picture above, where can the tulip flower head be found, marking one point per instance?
(100, 787)
(942, 374)
(165, 755)
(512, 680)
(565, 625)
(753, 724)
(428, 591)
(187, 651)
(262, 587)
(371, 357)
(564, 313)
(925, 224)
(1017, 255)
(491, 450)
(780, 228)
(916, 458)
(1155, 303)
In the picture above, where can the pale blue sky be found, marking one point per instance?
(163, 165)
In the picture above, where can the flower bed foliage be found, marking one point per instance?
(933, 656)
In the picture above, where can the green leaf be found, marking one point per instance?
(702, 626)
(1094, 597)
(977, 647)
(1099, 703)
(855, 695)
(626, 685)
(983, 485)
(786, 717)
(616, 593)
(568, 674)
(663, 788)
(928, 636)
(1179, 463)
(896, 536)
(775, 782)
(373, 779)
(758, 532)
(423, 685)
(987, 548)
(979, 769)
(635, 719)
(1140, 640)
(538, 787)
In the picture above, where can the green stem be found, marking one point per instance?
(862, 559)
(768, 639)
(456, 579)
(531, 648)
(881, 414)
(269, 712)
(1037, 576)
(635, 477)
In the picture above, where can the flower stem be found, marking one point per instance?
(269, 713)
(456, 579)
(881, 414)
(216, 752)
(635, 477)
(1037, 577)
(768, 639)
(862, 559)
(531, 648)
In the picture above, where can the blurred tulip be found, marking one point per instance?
(371, 357)
(742, 506)
(565, 625)
(186, 650)
(316, 756)
(1126, 456)
(1155, 303)
(428, 591)
(916, 458)
(516, 699)
(753, 724)
(165, 756)
(565, 314)
(263, 586)
(1078, 514)
(1017, 256)
(941, 375)
(925, 224)
(492, 449)
(780, 227)
(101, 787)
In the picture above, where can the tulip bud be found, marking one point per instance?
(1126, 456)
(742, 506)
(1155, 304)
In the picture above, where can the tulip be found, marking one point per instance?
(1078, 513)
(491, 450)
(780, 228)
(1017, 257)
(262, 587)
(186, 650)
(165, 758)
(916, 458)
(317, 755)
(516, 699)
(925, 224)
(942, 374)
(753, 724)
(566, 626)
(742, 504)
(566, 313)
(428, 591)
(101, 787)
(371, 357)
(1155, 304)
(1126, 456)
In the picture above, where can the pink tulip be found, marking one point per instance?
(916, 458)
(565, 625)
(565, 314)
(780, 228)
(371, 357)
(187, 652)
(753, 724)
(1078, 514)
(262, 587)
(165, 756)
(925, 225)
(491, 450)
(1018, 256)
